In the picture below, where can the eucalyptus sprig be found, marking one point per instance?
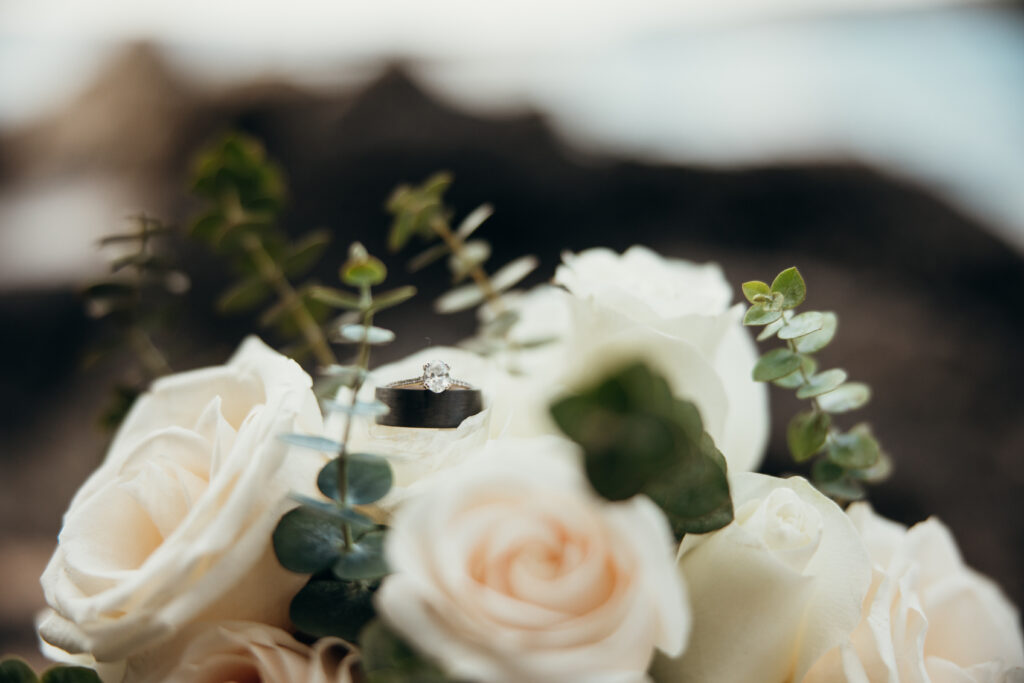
(421, 211)
(245, 195)
(332, 539)
(848, 459)
(133, 300)
(17, 671)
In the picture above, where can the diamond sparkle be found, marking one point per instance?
(436, 376)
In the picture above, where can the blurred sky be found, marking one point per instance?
(929, 92)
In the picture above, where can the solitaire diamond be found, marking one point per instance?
(436, 377)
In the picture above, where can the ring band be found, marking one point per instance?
(433, 401)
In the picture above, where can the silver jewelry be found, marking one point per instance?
(436, 377)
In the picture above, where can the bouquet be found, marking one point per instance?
(569, 495)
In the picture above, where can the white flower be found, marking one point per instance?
(509, 569)
(174, 527)
(928, 618)
(671, 313)
(227, 652)
(773, 591)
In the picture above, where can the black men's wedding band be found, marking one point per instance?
(432, 401)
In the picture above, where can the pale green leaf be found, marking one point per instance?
(512, 273)
(474, 220)
(815, 341)
(802, 324)
(759, 314)
(754, 289)
(845, 398)
(775, 364)
(822, 383)
(791, 285)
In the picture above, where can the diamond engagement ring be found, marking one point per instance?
(434, 400)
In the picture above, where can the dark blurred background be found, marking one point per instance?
(881, 152)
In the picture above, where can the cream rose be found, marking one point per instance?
(773, 591)
(927, 618)
(229, 652)
(509, 569)
(174, 527)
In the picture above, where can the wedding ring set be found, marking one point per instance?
(434, 400)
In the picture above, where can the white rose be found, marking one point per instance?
(928, 617)
(227, 652)
(773, 591)
(509, 569)
(174, 527)
(671, 313)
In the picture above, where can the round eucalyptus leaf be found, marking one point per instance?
(855, 450)
(822, 383)
(755, 288)
(512, 273)
(363, 270)
(791, 285)
(474, 220)
(815, 341)
(325, 607)
(760, 314)
(802, 324)
(307, 540)
(364, 560)
(68, 674)
(359, 408)
(771, 329)
(357, 334)
(845, 398)
(807, 433)
(368, 477)
(775, 364)
(16, 671)
(794, 380)
(459, 299)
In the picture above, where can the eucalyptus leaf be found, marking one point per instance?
(428, 256)
(357, 334)
(802, 324)
(775, 364)
(472, 255)
(807, 433)
(808, 366)
(387, 659)
(459, 299)
(368, 478)
(760, 314)
(364, 560)
(771, 329)
(856, 449)
(822, 383)
(356, 520)
(754, 289)
(68, 674)
(361, 269)
(392, 297)
(815, 341)
(512, 273)
(844, 488)
(790, 284)
(878, 472)
(845, 398)
(307, 540)
(359, 408)
(244, 296)
(474, 220)
(346, 375)
(312, 442)
(332, 608)
(16, 671)
(694, 493)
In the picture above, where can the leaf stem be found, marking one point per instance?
(477, 272)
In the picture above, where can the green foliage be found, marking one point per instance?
(387, 659)
(369, 479)
(845, 460)
(638, 438)
(17, 671)
(420, 211)
(325, 607)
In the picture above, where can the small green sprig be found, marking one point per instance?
(331, 539)
(420, 211)
(133, 302)
(17, 671)
(639, 438)
(848, 459)
(245, 195)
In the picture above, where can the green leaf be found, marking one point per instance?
(16, 671)
(878, 472)
(68, 674)
(428, 256)
(796, 379)
(459, 299)
(332, 608)
(694, 492)
(771, 329)
(316, 443)
(359, 409)
(512, 273)
(822, 383)
(334, 297)
(308, 540)
(815, 341)
(474, 220)
(244, 296)
(365, 272)
(364, 560)
(790, 284)
(856, 449)
(807, 433)
(357, 334)
(760, 314)
(304, 254)
(369, 478)
(754, 289)
(839, 486)
(802, 324)
(845, 398)
(775, 364)
(472, 255)
(357, 521)
(387, 659)
(392, 297)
